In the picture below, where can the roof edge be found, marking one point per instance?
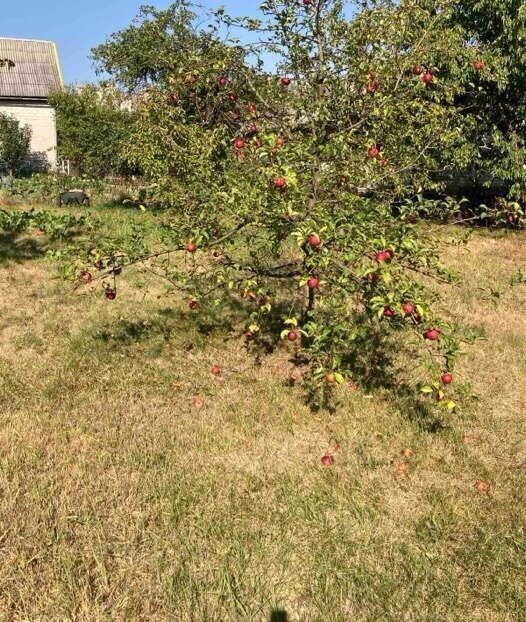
(32, 40)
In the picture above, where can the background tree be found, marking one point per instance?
(94, 123)
(282, 184)
(15, 141)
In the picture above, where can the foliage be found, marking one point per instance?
(14, 144)
(93, 125)
(57, 226)
(282, 192)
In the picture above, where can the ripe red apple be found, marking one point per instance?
(373, 152)
(280, 183)
(432, 334)
(478, 65)
(307, 2)
(280, 141)
(389, 253)
(408, 308)
(190, 247)
(314, 240)
(417, 70)
(111, 294)
(292, 336)
(252, 130)
(216, 370)
(327, 460)
(388, 312)
(174, 97)
(342, 179)
(371, 87)
(86, 276)
(251, 108)
(239, 143)
(446, 378)
(193, 305)
(510, 219)
(427, 78)
(285, 80)
(329, 378)
(98, 264)
(232, 97)
(313, 282)
(382, 256)
(222, 81)
(234, 115)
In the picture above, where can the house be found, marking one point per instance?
(29, 72)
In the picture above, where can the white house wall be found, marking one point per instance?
(41, 119)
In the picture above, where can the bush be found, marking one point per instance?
(14, 144)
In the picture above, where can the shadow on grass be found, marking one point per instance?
(15, 248)
(279, 615)
(375, 361)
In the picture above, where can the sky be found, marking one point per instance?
(78, 25)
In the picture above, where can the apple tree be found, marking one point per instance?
(286, 187)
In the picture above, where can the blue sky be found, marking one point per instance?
(78, 25)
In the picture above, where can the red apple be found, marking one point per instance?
(408, 308)
(234, 115)
(280, 183)
(313, 282)
(239, 143)
(382, 256)
(427, 78)
(371, 87)
(327, 460)
(389, 253)
(373, 152)
(232, 97)
(329, 378)
(292, 336)
(307, 2)
(222, 81)
(193, 305)
(432, 334)
(251, 108)
(216, 370)
(86, 276)
(446, 378)
(98, 264)
(388, 312)
(174, 97)
(342, 179)
(285, 81)
(111, 294)
(190, 247)
(417, 70)
(314, 240)
(478, 65)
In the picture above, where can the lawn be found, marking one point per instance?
(135, 485)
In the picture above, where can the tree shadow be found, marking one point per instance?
(279, 615)
(16, 248)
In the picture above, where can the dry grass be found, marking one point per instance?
(123, 496)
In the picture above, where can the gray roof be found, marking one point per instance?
(36, 70)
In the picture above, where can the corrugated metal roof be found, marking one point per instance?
(36, 70)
